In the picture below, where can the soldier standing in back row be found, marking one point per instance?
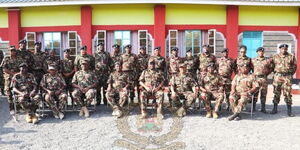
(129, 66)
(143, 59)
(102, 69)
(226, 66)
(68, 69)
(39, 67)
(285, 66)
(206, 58)
(160, 62)
(115, 55)
(84, 56)
(26, 55)
(262, 68)
(192, 63)
(243, 59)
(53, 60)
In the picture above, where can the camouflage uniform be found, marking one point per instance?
(102, 70)
(1, 72)
(226, 66)
(119, 84)
(68, 67)
(204, 60)
(142, 63)
(27, 56)
(173, 66)
(54, 84)
(213, 84)
(243, 61)
(242, 83)
(152, 79)
(12, 65)
(26, 84)
(262, 68)
(183, 85)
(284, 68)
(116, 57)
(39, 67)
(192, 64)
(89, 58)
(54, 61)
(160, 62)
(84, 79)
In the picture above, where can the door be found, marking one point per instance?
(253, 40)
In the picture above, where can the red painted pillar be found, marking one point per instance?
(298, 48)
(86, 27)
(14, 26)
(160, 27)
(232, 28)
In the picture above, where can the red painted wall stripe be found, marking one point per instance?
(160, 27)
(86, 27)
(4, 34)
(232, 20)
(14, 28)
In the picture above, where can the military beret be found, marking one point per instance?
(157, 48)
(23, 65)
(116, 46)
(83, 48)
(243, 46)
(51, 67)
(260, 49)
(143, 47)
(84, 61)
(37, 43)
(284, 46)
(189, 50)
(67, 50)
(174, 49)
(206, 46)
(100, 44)
(128, 46)
(225, 50)
(22, 41)
(182, 65)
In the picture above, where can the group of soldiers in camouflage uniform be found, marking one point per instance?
(115, 78)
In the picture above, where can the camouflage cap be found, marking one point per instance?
(23, 65)
(260, 49)
(284, 46)
(117, 63)
(51, 67)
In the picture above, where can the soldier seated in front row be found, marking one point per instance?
(54, 85)
(243, 86)
(25, 87)
(211, 86)
(117, 91)
(84, 83)
(152, 81)
(183, 85)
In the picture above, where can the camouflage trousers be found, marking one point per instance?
(284, 84)
(263, 90)
(79, 95)
(1, 79)
(102, 83)
(188, 96)
(29, 105)
(212, 95)
(7, 90)
(117, 98)
(238, 101)
(227, 87)
(38, 74)
(158, 96)
(132, 82)
(53, 100)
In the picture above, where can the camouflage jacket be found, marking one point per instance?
(129, 62)
(11, 65)
(226, 66)
(160, 62)
(53, 83)
(115, 58)
(27, 56)
(152, 78)
(204, 60)
(84, 78)
(23, 83)
(183, 83)
(103, 62)
(262, 66)
(67, 65)
(89, 58)
(244, 83)
(243, 60)
(173, 64)
(118, 80)
(192, 64)
(142, 62)
(284, 63)
(211, 82)
(40, 61)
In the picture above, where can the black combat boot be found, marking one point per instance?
(232, 117)
(263, 108)
(274, 111)
(289, 111)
